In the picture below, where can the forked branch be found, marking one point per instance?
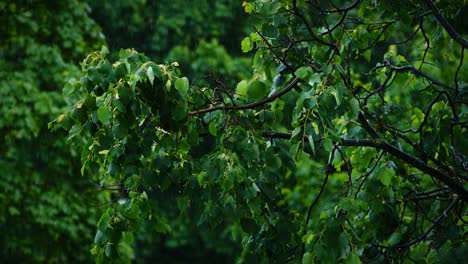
(252, 105)
(451, 182)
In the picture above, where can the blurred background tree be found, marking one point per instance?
(353, 72)
(48, 211)
(202, 35)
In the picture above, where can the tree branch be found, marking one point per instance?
(322, 188)
(324, 183)
(456, 186)
(445, 24)
(367, 127)
(425, 234)
(250, 105)
(417, 72)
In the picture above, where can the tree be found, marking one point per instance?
(348, 143)
(157, 27)
(47, 212)
(203, 36)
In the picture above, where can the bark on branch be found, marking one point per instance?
(418, 73)
(456, 186)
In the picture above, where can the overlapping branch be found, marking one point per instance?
(425, 234)
(456, 186)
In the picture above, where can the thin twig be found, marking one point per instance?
(451, 182)
(368, 173)
(417, 72)
(458, 68)
(322, 188)
(425, 234)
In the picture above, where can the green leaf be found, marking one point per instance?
(13, 211)
(311, 143)
(296, 133)
(168, 85)
(354, 105)
(336, 93)
(132, 182)
(303, 72)
(308, 238)
(241, 88)
(69, 88)
(246, 45)
(256, 90)
(394, 238)
(353, 259)
(104, 152)
(104, 222)
(201, 178)
(386, 176)
(90, 102)
(183, 203)
(83, 168)
(94, 250)
(150, 74)
(182, 85)
(316, 128)
(308, 258)
(128, 238)
(367, 55)
(419, 253)
(255, 187)
(212, 128)
(248, 7)
(162, 226)
(104, 51)
(327, 144)
(108, 250)
(104, 115)
(127, 205)
(119, 105)
(125, 93)
(114, 169)
(314, 79)
(99, 238)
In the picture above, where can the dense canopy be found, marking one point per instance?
(251, 132)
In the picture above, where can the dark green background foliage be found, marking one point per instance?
(156, 27)
(47, 210)
(202, 35)
(287, 131)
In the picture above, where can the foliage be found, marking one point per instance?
(209, 64)
(156, 27)
(347, 144)
(46, 212)
(43, 199)
(203, 36)
(384, 127)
